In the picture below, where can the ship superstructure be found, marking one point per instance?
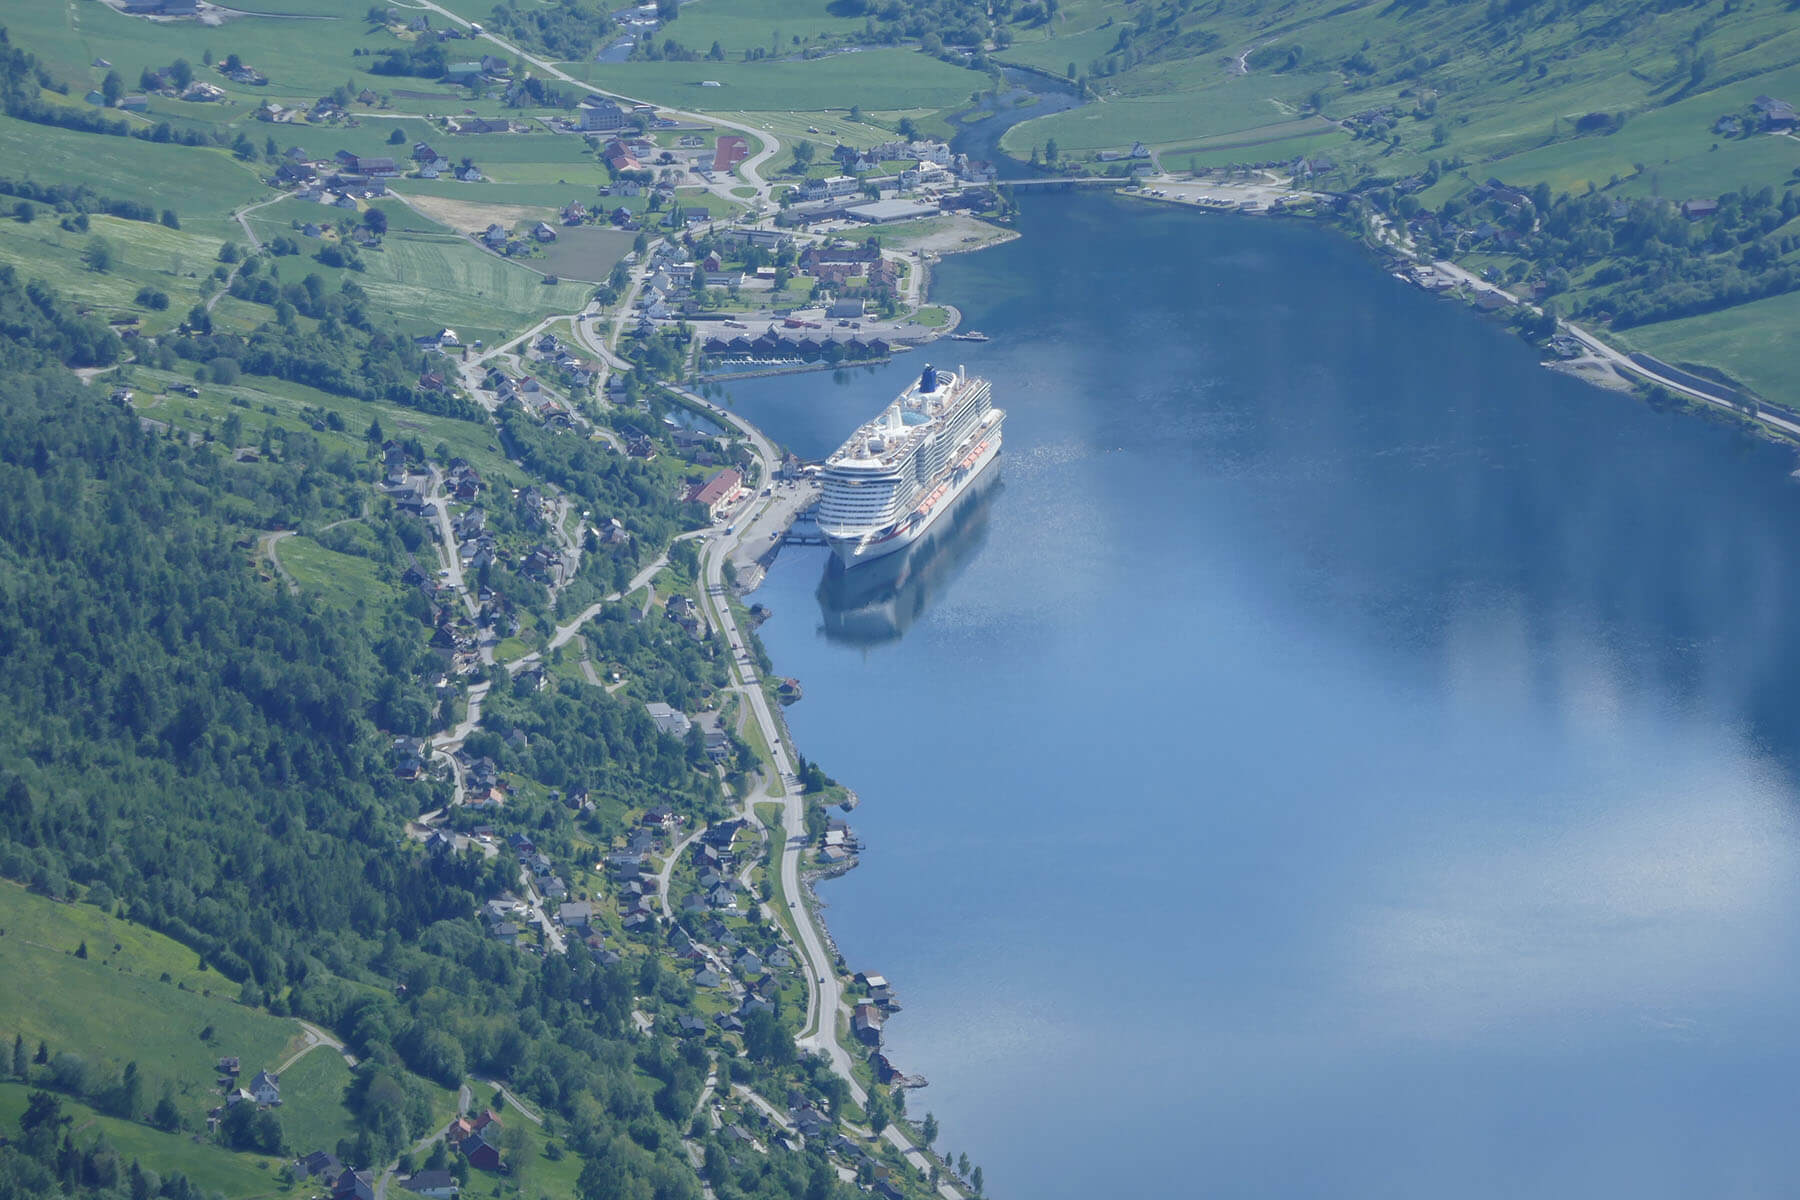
(901, 471)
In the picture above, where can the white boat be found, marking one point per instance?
(901, 472)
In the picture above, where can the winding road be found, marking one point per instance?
(824, 986)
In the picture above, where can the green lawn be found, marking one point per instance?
(209, 1168)
(345, 580)
(126, 1013)
(192, 181)
(873, 79)
(312, 1112)
(1756, 344)
(534, 1173)
(145, 255)
(426, 281)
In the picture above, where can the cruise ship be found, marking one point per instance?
(902, 471)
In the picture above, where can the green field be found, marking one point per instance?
(739, 25)
(315, 1117)
(144, 998)
(192, 181)
(209, 1168)
(293, 401)
(1755, 343)
(588, 252)
(346, 580)
(426, 281)
(302, 58)
(873, 79)
(126, 1012)
(144, 256)
(1490, 102)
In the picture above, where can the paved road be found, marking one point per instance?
(513, 1100)
(1617, 359)
(535, 903)
(267, 543)
(668, 869)
(315, 1038)
(824, 986)
(450, 739)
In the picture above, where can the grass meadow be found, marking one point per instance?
(871, 79)
(209, 1168)
(127, 1011)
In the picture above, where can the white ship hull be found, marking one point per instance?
(915, 525)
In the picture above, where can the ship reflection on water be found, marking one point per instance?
(878, 602)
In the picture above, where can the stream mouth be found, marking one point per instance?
(1028, 94)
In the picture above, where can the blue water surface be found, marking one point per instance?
(1340, 757)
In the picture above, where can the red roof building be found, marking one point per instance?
(729, 152)
(717, 492)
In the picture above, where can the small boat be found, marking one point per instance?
(974, 335)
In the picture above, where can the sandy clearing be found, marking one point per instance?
(468, 216)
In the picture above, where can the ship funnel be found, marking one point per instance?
(928, 380)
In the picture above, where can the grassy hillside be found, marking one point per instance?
(1607, 113)
(871, 79)
(213, 1170)
(144, 998)
(1483, 82)
(431, 280)
(195, 181)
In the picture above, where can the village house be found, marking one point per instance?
(728, 152)
(1776, 114)
(266, 1088)
(829, 187)
(600, 115)
(321, 1165)
(437, 1184)
(668, 720)
(480, 1147)
(354, 1185)
(717, 493)
(865, 1023)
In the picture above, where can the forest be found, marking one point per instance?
(207, 753)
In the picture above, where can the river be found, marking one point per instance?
(1339, 757)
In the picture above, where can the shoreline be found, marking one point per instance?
(814, 944)
(1599, 367)
(1597, 360)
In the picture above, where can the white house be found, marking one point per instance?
(669, 720)
(266, 1088)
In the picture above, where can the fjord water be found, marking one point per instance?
(1340, 758)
